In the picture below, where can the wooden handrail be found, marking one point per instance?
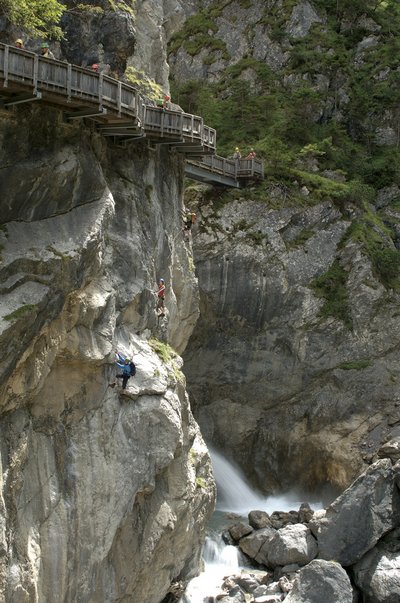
(234, 168)
(107, 100)
(23, 69)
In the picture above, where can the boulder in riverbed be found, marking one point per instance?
(320, 581)
(377, 574)
(292, 544)
(357, 519)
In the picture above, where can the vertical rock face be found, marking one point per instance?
(103, 497)
(296, 398)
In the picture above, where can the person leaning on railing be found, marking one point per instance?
(251, 155)
(19, 43)
(46, 52)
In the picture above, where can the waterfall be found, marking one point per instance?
(236, 496)
(233, 495)
(220, 560)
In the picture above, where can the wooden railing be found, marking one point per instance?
(234, 168)
(25, 76)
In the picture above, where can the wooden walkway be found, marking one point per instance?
(214, 169)
(118, 110)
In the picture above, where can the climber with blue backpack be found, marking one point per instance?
(128, 369)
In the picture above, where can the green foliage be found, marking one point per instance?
(163, 350)
(201, 482)
(20, 312)
(38, 17)
(332, 287)
(289, 115)
(376, 238)
(128, 6)
(387, 264)
(355, 365)
(198, 33)
(143, 83)
(88, 8)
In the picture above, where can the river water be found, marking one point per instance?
(234, 496)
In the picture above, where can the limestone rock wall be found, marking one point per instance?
(103, 497)
(299, 400)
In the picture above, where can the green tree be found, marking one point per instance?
(38, 17)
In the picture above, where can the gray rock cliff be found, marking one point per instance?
(104, 496)
(306, 399)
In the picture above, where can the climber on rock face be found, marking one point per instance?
(189, 218)
(128, 369)
(161, 297)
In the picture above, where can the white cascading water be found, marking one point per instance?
(236, 496)
(219, 560)
(233, 495)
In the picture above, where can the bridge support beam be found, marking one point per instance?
(19, 100)
(86, 113)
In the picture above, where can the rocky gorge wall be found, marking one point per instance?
(305, 399)
(293, 364)
(103, 497)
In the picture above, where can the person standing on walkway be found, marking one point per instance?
(237, 154)
(46, 52)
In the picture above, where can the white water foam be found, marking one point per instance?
(220, 560)
(236, 496)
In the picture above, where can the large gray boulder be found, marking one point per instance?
(390, 450)
(256, 545)
(292, 544)
(377, 574)
(321, 581)
(358, 518)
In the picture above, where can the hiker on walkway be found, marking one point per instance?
(19, 43)
(160, 309)
(251, 155)
(128, 369)
(237, 154)
(46, 52)
(166, 102)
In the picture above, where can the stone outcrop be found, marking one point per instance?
(104, 494)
